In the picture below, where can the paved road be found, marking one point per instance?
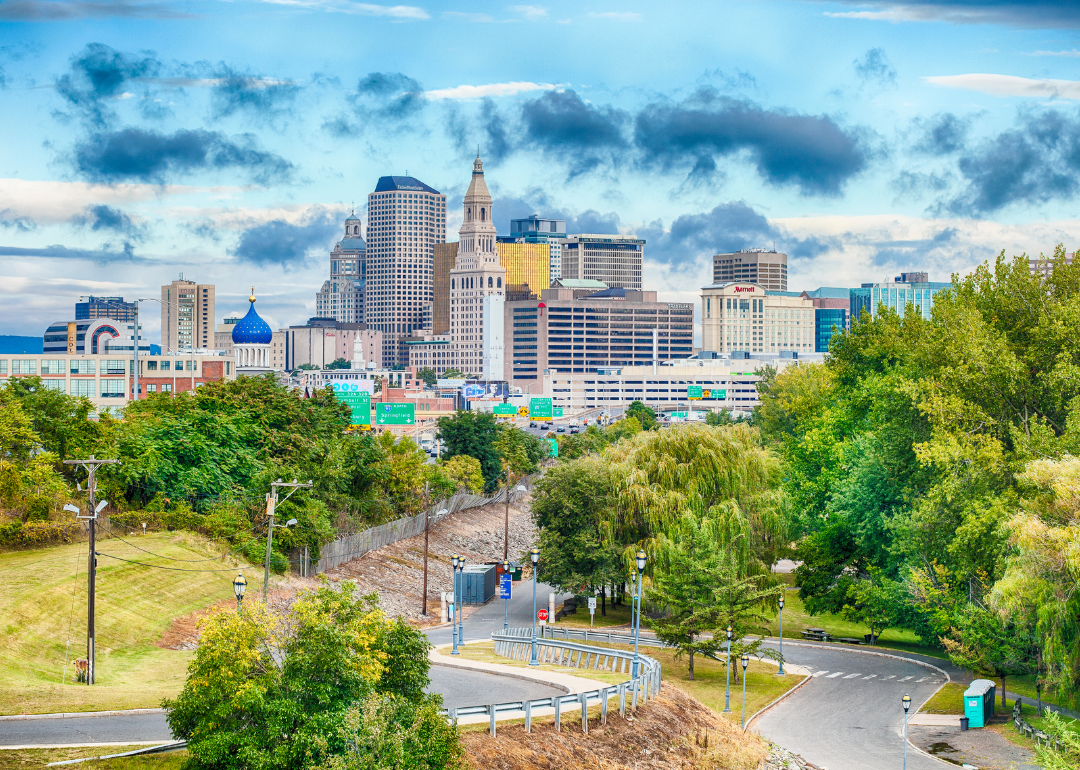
(850, 715)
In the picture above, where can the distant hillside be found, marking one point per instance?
(10, 345)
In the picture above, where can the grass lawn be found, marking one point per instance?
(15, 759)
(44, 610)
(616, 616)
(708, 686)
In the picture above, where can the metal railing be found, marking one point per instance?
(550, 632)
(516, 643)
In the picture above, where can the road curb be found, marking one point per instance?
(80, 714)
(766, 707)
(78, 745)
(855, 650)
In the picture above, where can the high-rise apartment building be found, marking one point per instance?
(767, 269)
(742, 317)
(113, 308)
(187, 316)
(477, 287)
(536, 229)
(614, 259)
(406, 219)
(342, 297)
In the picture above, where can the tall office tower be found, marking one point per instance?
(919, 276)
(768, 269)
(614, 259)
(477, 287)
(536, 229)
(406, 218)
(113, 308)
(342, 297)
(187, 316)
(445, 257)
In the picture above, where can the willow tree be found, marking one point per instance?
(722, 475)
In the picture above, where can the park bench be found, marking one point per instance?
(815, 634)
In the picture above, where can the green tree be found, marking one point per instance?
(339, 363)
(464, 471)
(273, 690)
(407, 472)
(427, 374)
(876, 602)
(991, 645)
(473, 434)
(643, 414)
(454, 374)
(61, 421)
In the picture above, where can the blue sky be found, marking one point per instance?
(228, 140)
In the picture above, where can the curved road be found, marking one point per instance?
(850, 715)
(457, 686)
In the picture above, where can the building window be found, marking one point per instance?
(113, 388)
(60, 385)
(82, 388)
(166, 387)
(151, 388)
(151, 366)
(3, 366)
(165, 366)
(24, 366)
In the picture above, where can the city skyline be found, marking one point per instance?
(917, 137)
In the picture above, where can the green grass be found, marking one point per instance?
(948, 700)
(22, 759)
(708, 686)
(616, 616)
(43, 607)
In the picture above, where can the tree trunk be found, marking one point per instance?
(1004, 702)
(691, 665)
(603, 601)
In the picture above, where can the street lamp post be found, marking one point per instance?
(453, 604)
(506, 599)
(745, 663)
(239, 585)
(640, 559)
(907, 705)
(781, 671)
(727, 690)
(461, 601)
(534, 555)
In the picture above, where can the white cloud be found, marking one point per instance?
(1009, 85)
(616, 15)
(491, 89)
(927, 12)
(530, 12)
(479, 18)
(1073, 54)
(364, 9)
(250, 82)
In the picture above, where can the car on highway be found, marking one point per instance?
(561, 429)
(532, 424)
(574, 429)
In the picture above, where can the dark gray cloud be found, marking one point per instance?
(1014, 13)
(916, 254)
(536, 201)
(942, 134)
(580, 134)
(100, 75)
(498, 144)
(1036, 162)
(810, 152)
(240, 92)
(67, 10)
(874, 67)
(728, 227)
(278, 242)
(107, 218)
(140, 155)
(387, 96)
(107, 253)
(21, 224)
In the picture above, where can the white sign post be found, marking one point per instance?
(592, 610)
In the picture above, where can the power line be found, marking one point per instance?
(158, 566)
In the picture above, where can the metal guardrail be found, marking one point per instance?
(516, 643)
(550, 632)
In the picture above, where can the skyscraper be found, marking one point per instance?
(342, 297)
(113, 308)
(536, 229)
(406, 218)
(477, 289)
(187, 316)
(767, 269)
(614, 259)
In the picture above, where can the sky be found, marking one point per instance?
(228, 140)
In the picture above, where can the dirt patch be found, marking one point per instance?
(396, 572)
(183, 633)
(673, 732)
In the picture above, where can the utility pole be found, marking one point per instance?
(427, 526)
(91, 464)
(135, 388)
(271, 507)
(506, 525)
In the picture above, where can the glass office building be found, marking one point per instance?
(897, 296)
(827, 321)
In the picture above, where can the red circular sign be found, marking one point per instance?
(541, 614)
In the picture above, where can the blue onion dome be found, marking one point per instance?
(252, 329)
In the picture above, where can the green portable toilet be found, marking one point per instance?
(979, 702)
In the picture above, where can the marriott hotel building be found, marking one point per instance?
(742, 317)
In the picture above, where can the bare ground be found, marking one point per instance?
(396, 572)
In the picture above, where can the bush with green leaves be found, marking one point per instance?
(305, 687)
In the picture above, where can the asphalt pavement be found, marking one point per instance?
(850, 715)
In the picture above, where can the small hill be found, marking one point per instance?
(672, 732)
(166, 576)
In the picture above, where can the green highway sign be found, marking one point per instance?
(554, 444)
(540, 409)
(360, 405)
(556, 411)
(721, 394)
(395, 414)
(505, 409)
(693, 391)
